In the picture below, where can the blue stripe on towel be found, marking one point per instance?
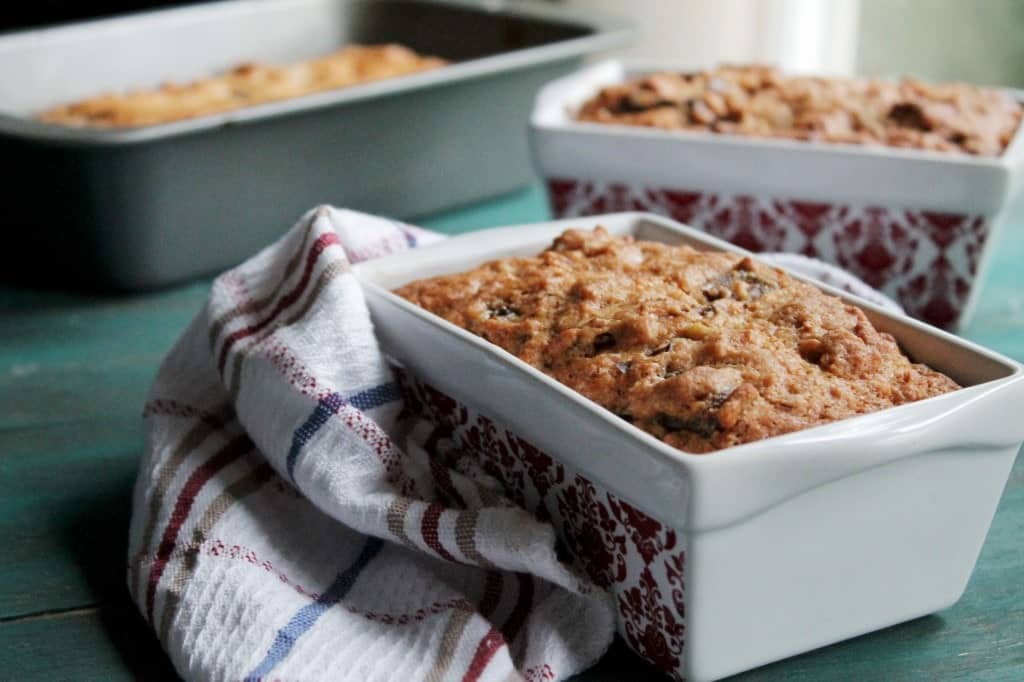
(306, 617)
(327, 407)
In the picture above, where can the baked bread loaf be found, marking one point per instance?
(760, 101)
(242, 86)
(703, 350)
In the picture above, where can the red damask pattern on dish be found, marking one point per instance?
(651, 628)
(926, 260)
(597, 541)
(618, 547)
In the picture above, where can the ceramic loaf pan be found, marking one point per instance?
(726, 561)
(137, 208)
(914, 224)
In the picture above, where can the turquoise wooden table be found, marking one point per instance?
(74, 371)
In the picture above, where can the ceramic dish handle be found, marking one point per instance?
(978, 419)
(987, 419)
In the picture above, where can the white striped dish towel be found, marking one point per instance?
(286, 522)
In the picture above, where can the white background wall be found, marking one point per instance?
(979, 41)
(814, 36)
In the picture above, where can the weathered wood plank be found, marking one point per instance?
(111, 643)
(74, 358)
(998, 320)
(526, 206)
(65, 499)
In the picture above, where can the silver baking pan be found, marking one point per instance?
(144, 207)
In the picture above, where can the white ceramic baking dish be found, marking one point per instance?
(914, 224)
(727, 561)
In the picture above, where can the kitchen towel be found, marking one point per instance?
(287, 522)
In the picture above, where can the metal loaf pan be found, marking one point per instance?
(144, 207)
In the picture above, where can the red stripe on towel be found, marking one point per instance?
(288, 299)
(491, 642)
(225, 456)
(429, 529)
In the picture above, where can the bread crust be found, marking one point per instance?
(760, 101)
(244, 85)
(703, 350)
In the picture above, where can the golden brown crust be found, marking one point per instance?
(701, 349)
(760, 101)
(244, 85)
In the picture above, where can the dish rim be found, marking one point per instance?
(552, 105)
(1014, 370)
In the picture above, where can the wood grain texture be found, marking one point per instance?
(109, 643)
(65, 498)
(74, 373)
